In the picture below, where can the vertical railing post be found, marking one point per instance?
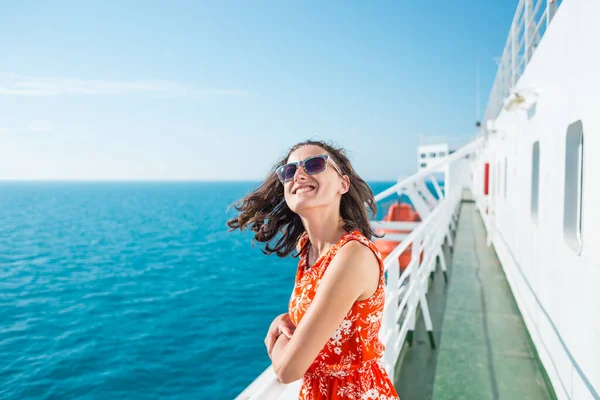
(507, 75)
(390, 322)
(446, 181)
(415, 260)
(501, 74)
(527, 15)
(393, 276)
(514, 39)
(550, 11)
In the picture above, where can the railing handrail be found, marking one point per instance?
(405, 183)
(417, 232)
(524, 35)
(427, 238)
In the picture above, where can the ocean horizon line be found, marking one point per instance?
(151, 181)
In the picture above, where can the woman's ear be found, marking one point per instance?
(345, 184)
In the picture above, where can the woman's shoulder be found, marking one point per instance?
(356, 260)
(357, 245)
(369, 246)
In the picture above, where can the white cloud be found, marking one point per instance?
(20, 85)
(40, 126)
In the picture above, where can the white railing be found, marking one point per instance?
(404, 292)
(529, 25)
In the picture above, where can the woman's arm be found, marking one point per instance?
(279, 346)
(344, 281)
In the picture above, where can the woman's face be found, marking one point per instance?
(306, 191)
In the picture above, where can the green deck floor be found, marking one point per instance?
(483, 348)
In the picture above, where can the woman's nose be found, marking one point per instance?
(300, 173)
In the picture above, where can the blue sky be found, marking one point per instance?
(129, 90)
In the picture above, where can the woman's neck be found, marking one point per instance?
(323, 232)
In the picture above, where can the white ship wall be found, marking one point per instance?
(458, 173)
(557, 290)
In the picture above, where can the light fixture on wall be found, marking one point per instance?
(522, 99)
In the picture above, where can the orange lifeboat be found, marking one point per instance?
(398, 212)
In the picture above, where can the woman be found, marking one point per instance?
(329, 337)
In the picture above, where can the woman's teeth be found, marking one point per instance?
(304, 189)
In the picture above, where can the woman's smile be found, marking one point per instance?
(304, 189)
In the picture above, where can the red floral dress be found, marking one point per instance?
(349, 366)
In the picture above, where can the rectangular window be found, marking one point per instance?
(423, 155)
(442, 154)
(432, 155)
(535, 181)
(498, 177)
(573, 186)
(423, 165)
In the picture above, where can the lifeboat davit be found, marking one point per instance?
(398, 212)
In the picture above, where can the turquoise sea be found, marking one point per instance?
(132, 291)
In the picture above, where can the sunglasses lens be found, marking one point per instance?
(315, 165)
(288, 172)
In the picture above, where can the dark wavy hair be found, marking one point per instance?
(266, 213)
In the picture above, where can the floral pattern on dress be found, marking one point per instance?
(349, 366)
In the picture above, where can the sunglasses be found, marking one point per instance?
(312, 166)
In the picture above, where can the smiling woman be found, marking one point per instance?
(269, 204)
(330, 336)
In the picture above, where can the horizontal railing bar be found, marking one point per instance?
(457, 155)
(536, 8)
(403, 304)
(540, 23)
(394, 237)
(398, 225)
(404, 327)
(407, 271)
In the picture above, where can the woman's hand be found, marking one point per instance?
(280, 325)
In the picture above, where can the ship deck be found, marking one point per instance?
(483, 348)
